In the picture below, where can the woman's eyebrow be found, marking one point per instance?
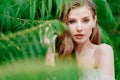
(82, 17)
(86, 17)
(71, 19)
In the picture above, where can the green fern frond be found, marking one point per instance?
(37, 70)
(29, 43)
(105, 16)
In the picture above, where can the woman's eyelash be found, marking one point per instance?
(71, 21)
(86, 20)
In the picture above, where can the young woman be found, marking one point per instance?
(83, 39)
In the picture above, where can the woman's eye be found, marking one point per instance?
(86, 20)
(71, 21)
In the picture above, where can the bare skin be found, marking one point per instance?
(96, 57)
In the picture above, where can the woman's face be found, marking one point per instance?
(81, 22)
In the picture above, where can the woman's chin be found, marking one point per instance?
(79, 41)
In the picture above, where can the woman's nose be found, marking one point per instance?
(79, 27)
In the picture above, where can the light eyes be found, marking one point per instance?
(71, 21)
(86, 20)
(75, 21)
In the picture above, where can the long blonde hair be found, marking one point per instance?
(65, 45)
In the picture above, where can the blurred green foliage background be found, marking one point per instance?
(22, 30)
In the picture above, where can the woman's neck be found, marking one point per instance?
(83, 47)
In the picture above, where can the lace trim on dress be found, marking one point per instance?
(95, 75)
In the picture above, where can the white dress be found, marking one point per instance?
(96, 75)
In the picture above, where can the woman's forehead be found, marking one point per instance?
(80, 12)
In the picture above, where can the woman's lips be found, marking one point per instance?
(79, 36)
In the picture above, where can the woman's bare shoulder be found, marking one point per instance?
(104, 49)
(105, 58)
